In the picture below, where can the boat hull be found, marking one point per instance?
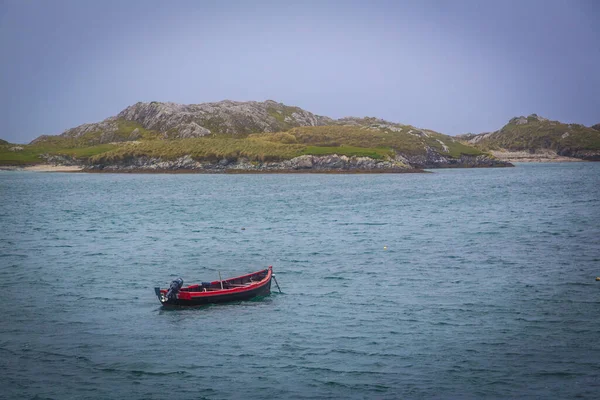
(245, 287)
(221, 298)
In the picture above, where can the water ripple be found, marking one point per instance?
(458, 284)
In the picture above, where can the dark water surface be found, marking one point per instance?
(486, 288)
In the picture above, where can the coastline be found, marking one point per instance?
(511, 157)
(81, 169)
(42, 168)
(306, 164)
(526, 157)
(255, 172)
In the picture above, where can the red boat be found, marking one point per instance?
(233, 289)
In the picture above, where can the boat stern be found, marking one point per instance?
(160, 295)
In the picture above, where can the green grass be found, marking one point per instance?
(203, 149)
(123, 133)
(455, 148)
(359, 140)
(126, 127)
(374, 141)
(214, 149)
(31, 154)
(279, 137)
(84, 152)
(21, 157)
(350, 151)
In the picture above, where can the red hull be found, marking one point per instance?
(233, 289)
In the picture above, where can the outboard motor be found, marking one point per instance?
(174, 289)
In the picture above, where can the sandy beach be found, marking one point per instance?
(43, 168)
(524, 156)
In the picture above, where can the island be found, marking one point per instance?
(538, 139)
(235, 137)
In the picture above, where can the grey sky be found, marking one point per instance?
(451, 66)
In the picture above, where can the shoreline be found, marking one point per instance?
(502, 156)
(42, 168)
(81, 169)
(253, 172)
(543, 159)
(526, 157)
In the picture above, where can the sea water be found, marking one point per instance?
(463, 283)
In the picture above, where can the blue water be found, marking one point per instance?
(457, 284)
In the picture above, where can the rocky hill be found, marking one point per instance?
(537, 135)
(250, 135)
(180, 121)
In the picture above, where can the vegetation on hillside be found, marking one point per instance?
(320, 140)
(120, 131)
(82, 147)
(283, 115)
(118, 139)
(33, 154)
(209, 149)
(316, 140)
(535, 133)
(11, 154)
(243, 130)
(407, 140)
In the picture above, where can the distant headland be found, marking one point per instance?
(229, 136)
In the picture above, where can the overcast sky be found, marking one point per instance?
(448, 65)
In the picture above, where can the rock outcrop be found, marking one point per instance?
(229, 117)
(177, 121)
(433, 159)
(306, 163)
